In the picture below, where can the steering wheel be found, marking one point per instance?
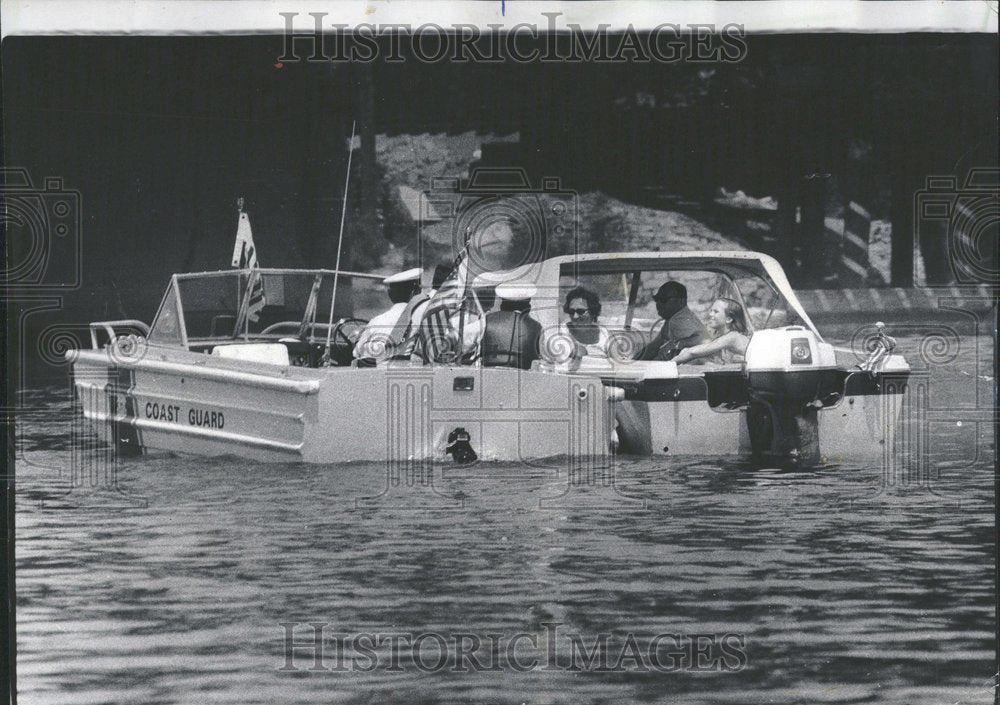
(339, 335)
(656, 328)
(275, 327)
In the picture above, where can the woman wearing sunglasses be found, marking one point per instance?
(583, 307)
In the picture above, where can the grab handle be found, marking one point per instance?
(109, 328)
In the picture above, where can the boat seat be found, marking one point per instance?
(268, 353)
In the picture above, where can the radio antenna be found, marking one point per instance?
(340, 243)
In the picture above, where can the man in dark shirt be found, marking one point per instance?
(681, 328)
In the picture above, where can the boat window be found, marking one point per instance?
(356, 298)
(614, 289)
(285, 298)
(277, 304)
(210, 304)
(765, 306)
(166, 328)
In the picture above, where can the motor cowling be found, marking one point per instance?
(791, 363)
(791, 374)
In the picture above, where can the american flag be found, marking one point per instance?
(440, 341)
(245, 257)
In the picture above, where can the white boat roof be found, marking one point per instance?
(546, 274)
(662, 255)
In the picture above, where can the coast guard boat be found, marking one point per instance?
(208, 378)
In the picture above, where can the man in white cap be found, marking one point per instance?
(384, 335)
(509, 337)
(441, 274)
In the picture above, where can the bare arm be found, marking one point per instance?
(737, 342)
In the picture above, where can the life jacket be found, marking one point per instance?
(510, 339)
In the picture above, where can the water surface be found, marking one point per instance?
(844, 587)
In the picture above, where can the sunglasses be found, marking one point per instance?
(578, 311)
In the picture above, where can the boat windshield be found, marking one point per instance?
(627, 296)
(261, 304)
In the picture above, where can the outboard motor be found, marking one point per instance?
(791, 374)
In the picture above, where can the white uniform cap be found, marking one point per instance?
(516, 292)
(407, 276)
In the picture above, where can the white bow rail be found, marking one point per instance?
(110, 326)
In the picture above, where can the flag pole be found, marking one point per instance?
(340, 242)
(465, 293)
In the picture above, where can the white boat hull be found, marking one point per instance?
(193, 403)
(207, 406)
